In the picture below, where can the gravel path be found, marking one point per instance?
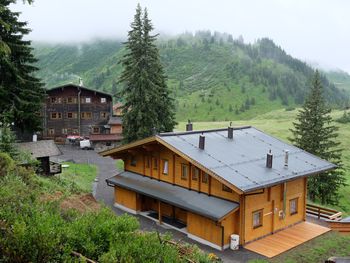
(105, 194)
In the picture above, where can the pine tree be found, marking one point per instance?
(21, 93)
(148, 107)
(313, 132)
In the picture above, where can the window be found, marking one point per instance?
(205, 177)
(103, 100)
(51, 131)
(226, 189)
(87, 100)
(184, 171)
(148, 161)
(86, 115)
(56, 115)
(103, 115)
(257, 218)
(96, 130)
(293, 206)
(71, 115)
(165, 166)
(64, 131)
(133, 161)
(75, 131)
(56, 100)
(195, 174)
(71, 100)
(155, 164)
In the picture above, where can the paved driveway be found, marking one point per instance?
(103, 193)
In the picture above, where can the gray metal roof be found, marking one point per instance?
(208, 206)
(39, 149)
(241, 161)
(115, 120)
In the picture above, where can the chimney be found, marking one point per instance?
(80, 82)
(35, 137)
(201, 141)
(230, 132)
(189, 126)
(269, 159)
(286, 158)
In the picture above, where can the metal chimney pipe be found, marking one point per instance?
(269, 159)
(189, 126)
(230, 132)
(286, 158)
(201, 142)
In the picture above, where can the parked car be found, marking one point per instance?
(86, 145)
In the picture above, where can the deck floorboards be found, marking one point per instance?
(286, 239)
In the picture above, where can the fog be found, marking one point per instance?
(312, 30)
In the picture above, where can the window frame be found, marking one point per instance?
(73, 100)
(84, 117)
(184, 176)
(98, 130)
(87, 100)
(57, 114)
(51, 131)
(133, 161)
(165, 171)
(261, 216)
(103, 115)
(205, 178)
(195, 176)
(155, 163)
(103, 100)
(227, 189)
(296, 200)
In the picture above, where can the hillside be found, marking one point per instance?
(340, 78)
(213, 77)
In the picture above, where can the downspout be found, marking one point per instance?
(79, 115)
(284, 199)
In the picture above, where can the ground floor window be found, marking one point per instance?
(293, 206)
(133, 161)
(257, 218)
(96, 130)
(195, 174)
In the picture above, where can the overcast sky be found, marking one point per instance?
(311, 30)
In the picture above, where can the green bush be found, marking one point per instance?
(345, 118)
(6, 164)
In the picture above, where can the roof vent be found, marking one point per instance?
(201, 141)
(269, 159)
(230, 132)
(286, 158)
(189, 126)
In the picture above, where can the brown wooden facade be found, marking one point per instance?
(260, 213)
(75, 110)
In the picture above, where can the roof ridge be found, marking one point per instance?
(163, 134)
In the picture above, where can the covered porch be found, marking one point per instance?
(206, 219)
(286, 239)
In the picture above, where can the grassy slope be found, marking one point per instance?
(76, 178)
(340, 78)
(278, 123)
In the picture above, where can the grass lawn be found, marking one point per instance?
(278, 123)
(77, 178)
(316, 250)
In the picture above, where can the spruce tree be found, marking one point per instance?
(21, 93)
(148, 107)
(314, 132)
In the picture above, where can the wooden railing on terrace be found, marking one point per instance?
(323, 213)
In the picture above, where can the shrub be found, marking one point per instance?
(6, 164)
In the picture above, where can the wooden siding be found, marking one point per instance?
(116, 128)
(204, 228)
(271, 219)
(158, 154)
(95, 107)
(126, 198)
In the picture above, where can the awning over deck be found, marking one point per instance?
(199, 203)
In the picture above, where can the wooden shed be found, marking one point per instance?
(42, 151)
(212, 184)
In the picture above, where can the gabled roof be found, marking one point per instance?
(215, 208)
(80, 87)
(239, 162)
(45, 148)
(115, 120)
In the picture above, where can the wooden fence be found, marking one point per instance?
(323, 213)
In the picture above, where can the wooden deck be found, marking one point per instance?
(287, 239)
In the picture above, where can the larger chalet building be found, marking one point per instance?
(76, 110)
(215, 183)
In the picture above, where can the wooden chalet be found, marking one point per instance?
(75, 110)
(215, 183)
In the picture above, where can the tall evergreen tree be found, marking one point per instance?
(21, 93)
(313, 131)
(148, 106)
